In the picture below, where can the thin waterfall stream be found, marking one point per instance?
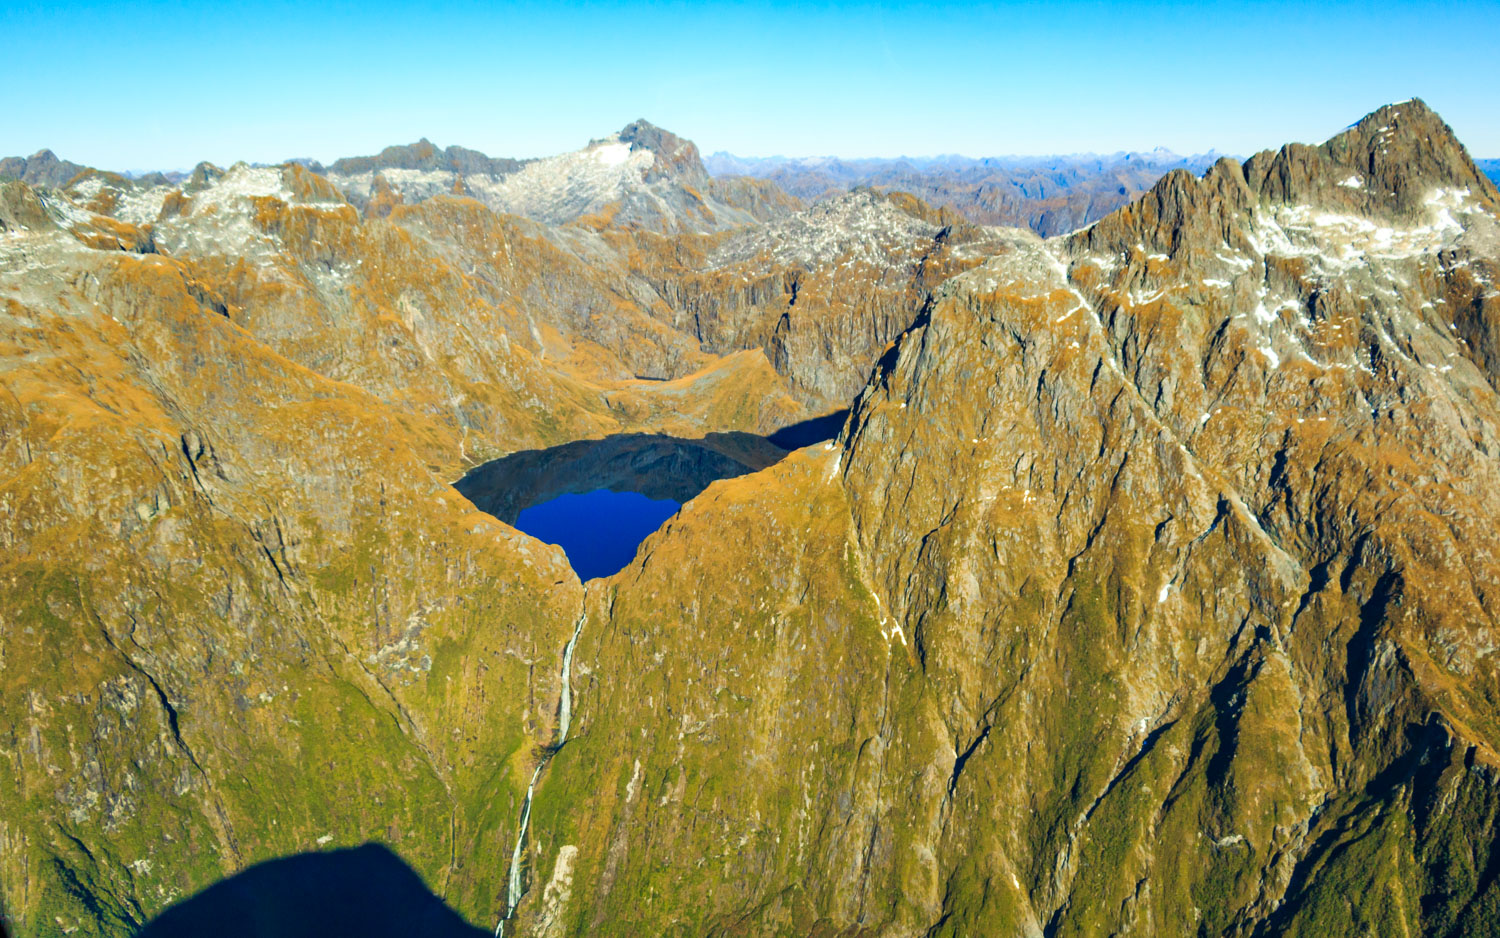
(514, 889)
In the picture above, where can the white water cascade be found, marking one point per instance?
(565, 708)
(513, 886)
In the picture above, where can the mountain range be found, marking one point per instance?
(1145, 588)
(1049, 195)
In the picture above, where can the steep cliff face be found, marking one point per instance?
(1146, 592)
(242, 616)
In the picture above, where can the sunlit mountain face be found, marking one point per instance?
(623, 543)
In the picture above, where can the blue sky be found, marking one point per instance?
(163, 85)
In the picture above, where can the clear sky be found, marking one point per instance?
(164, 85)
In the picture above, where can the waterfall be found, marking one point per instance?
(513, 886)
(565, 709)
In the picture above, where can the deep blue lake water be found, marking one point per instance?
(598, 499)
(598, 530)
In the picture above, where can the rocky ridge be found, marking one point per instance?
(42, 168)
(641, 176)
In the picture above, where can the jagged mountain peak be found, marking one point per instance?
(1400, 166)
(1387, 164)
(650, 136)
(675, 156)
(203, 175)
(1312, 376)
(642, 174)
(42, 168)
(1309, 246)
(1049, 194)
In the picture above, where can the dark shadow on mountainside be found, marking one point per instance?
(808, 432)
(367, 891)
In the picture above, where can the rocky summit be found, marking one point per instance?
(1143, 582)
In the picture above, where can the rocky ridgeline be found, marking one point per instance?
(642, 176)
(1146, 590)
(42, 168)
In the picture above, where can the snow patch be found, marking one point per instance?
(612, 154)
(558, 189)
(1336, 242)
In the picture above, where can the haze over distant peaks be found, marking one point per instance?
(1049, 194)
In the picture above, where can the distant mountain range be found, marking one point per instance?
(853, 170)
(1048, 194)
